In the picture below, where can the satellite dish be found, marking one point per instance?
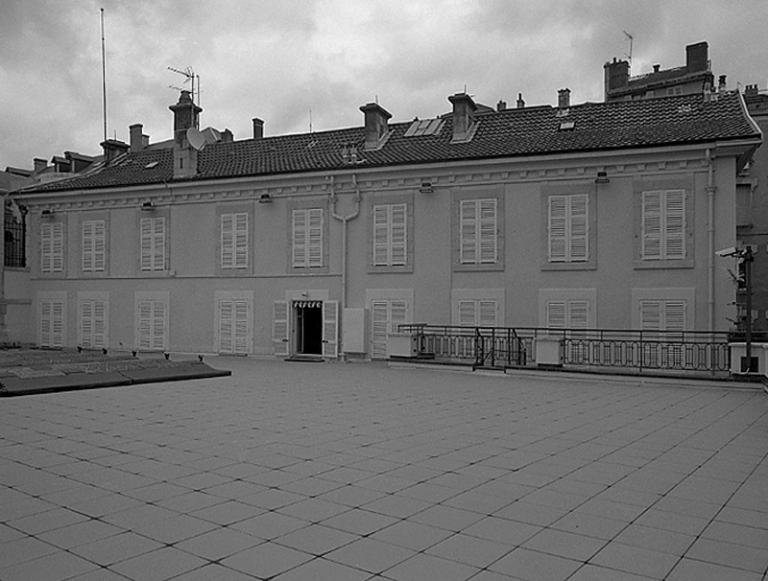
(196, 138)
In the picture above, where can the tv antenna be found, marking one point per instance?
(630, 38)
(189, 77)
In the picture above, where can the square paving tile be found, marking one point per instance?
(158, 565)
(266, 560)
(315, 539)
(370, 555)
(423, 566)
(219, 543)
(116, 548)
(636, 560)
(469, 550)
(52, 567)
(568, 545)
(412, 535)
(534, 566)
(318, 569)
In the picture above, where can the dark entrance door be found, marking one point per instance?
(309, 327)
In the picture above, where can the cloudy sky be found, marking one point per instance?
(281, 60)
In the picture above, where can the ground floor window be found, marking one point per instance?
(386, 315)
(92, 322)
(52, 317)
(152, 321)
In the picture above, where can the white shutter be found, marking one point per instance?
(651, 226)
(486, 311)
(556, 314)
(57, 248)
(315, 237)
(398, 314)
(88, 246)
(674, 315)
(46, 323)
(330, 328)
(226, 323)
(557, 229)
(488, 230)
(674, 218)
(145, 243)
(399, 235)
(380, 235)
(46, 248)
(144, 325)
(578, 314)
(579, 228)
(57, 324)
(240, 235)
(99, 339)
(467, 313)
(159, 324)
(152, 233)
(227, 241)
(468, 232)
(379, 321)
(650, 315)
(242, 327)
(299, 228)
(86, 324)
(280, 328)
(99, 245)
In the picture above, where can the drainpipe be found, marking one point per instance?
(344, 220)
(3, 307)
(711, 188)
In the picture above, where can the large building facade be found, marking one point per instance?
(583, 216)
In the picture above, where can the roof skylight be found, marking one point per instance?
(424, 127)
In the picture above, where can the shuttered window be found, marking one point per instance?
(93, 324)
(386, 315)
(663, 315)
(51, 323)
(234, 241)
(234, 328)
(567, 314)
(307, 238)
(478, 231)
(94, 245)
(478, 313)
(663, 225)
(568, 228)
(151, 324)
(52, 247)
(390, 234)
(152, 242)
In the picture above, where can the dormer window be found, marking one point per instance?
(567, 125)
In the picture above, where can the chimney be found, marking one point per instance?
(564, 98)
(40, 164)
(501, 106)
(258, 128)
(463, 117)
(185, 115)
(656, 68)
(697, 57)
(137, 141)
(615, 76)
(227, 136)
(520, 102)
(721, 84)
(376, 128)
(112, 148)
(750, 90)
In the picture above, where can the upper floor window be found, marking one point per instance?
(568, 228)
(390, 235)
(52, 247)
(307, 238)
(94, 246)
(478, 231)
(152, 243)
(663, 227)
(234, 240)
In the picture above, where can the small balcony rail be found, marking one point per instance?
(632, 351)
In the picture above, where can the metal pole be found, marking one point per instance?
(748, 258)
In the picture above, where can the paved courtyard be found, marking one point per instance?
(297, 471)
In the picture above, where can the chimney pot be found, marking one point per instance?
(501, 105)
(137, 141)
(656, 68)
(376, 118)
(721, 84)
(185, 115)
(564, 98)
(520, 101)
(258, 128)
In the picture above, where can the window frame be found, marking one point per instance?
(569, 299)
(155, 250)
(569, 191)
(642, 260)
(389, 202)
(319, 245)
(54, 257)
(466, 200)
(93, 246)
(233, 268)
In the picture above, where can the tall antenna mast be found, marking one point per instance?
(103, 76)
(630, 38)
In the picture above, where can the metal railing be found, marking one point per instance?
(634, 351)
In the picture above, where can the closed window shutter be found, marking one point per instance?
(487, 313)
(280, 327)
(468, 231)
(650, 315)
(557, 229)
(579, 239)
(46, 248)
(146, 228)
(467, 313)
(399, 233)
(380, 235)
(674, 316)
(86, 324)
(153, 244)
(144, 326)
(651, 243)
(226, 316)
(227, 241)
(398, 313)
(315, 237)
(57, 248)
(241, 240)
(99, 340)
(379, 311)
(46, 323)
(88, 246)
(241, 332)
(94, 246)
(674, 215)
(299, 251)
(488, 237)
(578, 314)
(158, 325)
(556, 314)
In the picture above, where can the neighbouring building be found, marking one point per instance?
(580, 215)
(695, 77)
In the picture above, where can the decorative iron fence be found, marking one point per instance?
(629, 350)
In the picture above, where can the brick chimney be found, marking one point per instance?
(616, 76)
(463, 117)
(185, 117)
(501, 105)
(721, 84)
(137, 137)
(697, 57)
(112, 148)
(258, 128)
(40, 164)
(564, 98)
(376, 127)
(520, 102)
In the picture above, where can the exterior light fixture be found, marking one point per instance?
(265, 199)
(147, 206)
(602, 177)
(47, 213)
(426, 188)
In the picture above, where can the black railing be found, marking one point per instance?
(621, 350)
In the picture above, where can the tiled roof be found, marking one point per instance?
(510, 133)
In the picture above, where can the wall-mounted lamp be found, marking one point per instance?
(147, 206)
(47, 213)
(265, 199)
(426, 188)
(602, 177)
